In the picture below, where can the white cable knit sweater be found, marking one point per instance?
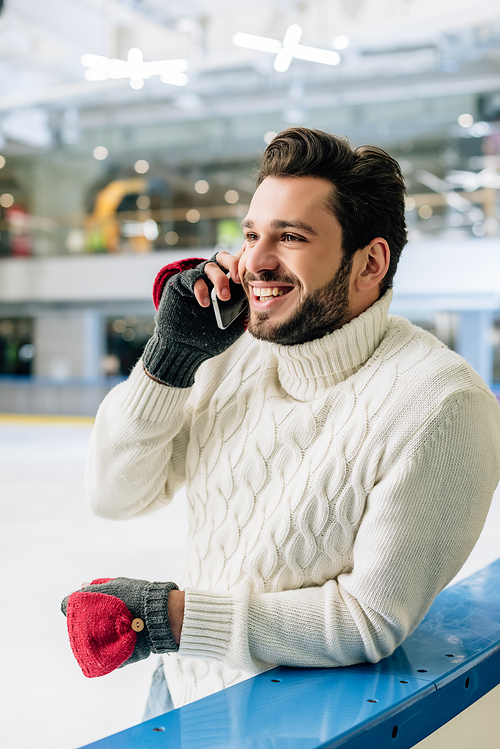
(334, 488)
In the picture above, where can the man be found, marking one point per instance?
(339, 463)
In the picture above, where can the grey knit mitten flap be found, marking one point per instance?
(186, 334)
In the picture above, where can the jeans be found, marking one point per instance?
(159, 700)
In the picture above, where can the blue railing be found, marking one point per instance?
(449, 662)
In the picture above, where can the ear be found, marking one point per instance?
(372, 264)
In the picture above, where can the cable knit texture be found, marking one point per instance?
(334, 488)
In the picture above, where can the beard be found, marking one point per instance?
(319, 313)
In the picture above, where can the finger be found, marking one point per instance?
(84, 585)
(219, 279)
(201, 293)
(240, 252)
(230, 262)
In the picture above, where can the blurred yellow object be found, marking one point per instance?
(46, 420)
(103, 227)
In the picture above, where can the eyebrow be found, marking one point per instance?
(280, 224)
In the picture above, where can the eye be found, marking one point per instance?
(291, 238)
(251, 237)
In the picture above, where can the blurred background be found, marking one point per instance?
(129, 135)
(129, 130)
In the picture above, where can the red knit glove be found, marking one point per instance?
(114, 622)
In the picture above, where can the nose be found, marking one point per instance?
(260, 256)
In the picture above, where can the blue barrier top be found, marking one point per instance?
(450, 661)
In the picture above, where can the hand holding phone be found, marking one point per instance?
(226, 312)
(185, 335)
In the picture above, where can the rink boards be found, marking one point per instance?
(444, 668)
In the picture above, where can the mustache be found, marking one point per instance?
(270, 277)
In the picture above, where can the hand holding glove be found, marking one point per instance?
(114, 622)
(186, 333)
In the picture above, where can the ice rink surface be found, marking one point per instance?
(49, 544)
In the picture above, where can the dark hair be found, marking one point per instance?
(368, 187)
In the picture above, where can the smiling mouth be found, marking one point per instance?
(268, 293)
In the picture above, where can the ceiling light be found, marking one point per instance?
(27, 352)
(128, 334)
(6, 200)
(231, 196)
(171, 237)
(175, 78)
(143, 202)
(75, 240)
(425, 211)
(269, 136)
(465, 120)
(202, 186)
(119, 326)
(471, 181)
(313, 54)
(2, 161)
(260, 43)
(141, 166)
(131, 229)
(341, 42)
(100, 153)
(150, 228)
(100, 68)
(134, 57)
(480, 129)
(288, 49)
(290, 43)
(193, 216)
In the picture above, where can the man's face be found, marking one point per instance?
(292, 265)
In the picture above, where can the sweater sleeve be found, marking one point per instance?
(136, 455)
(421, 521)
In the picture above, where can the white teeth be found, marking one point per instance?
(268, 292)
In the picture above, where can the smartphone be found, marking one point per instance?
(227, 312)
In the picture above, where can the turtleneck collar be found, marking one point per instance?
(307, 370)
